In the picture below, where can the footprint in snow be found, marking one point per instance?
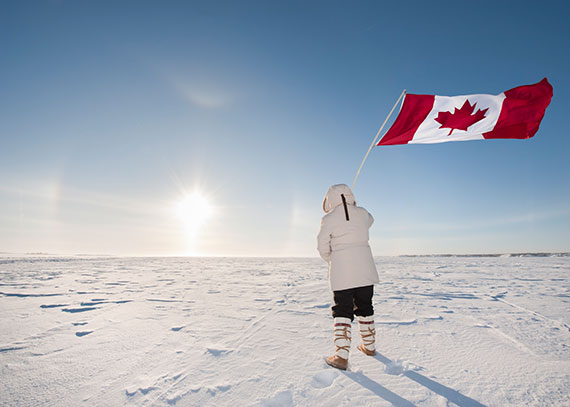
(282, 399)
(324, 379)
(142, 390)
(221, 388)
(395, 368)
(399, 367)
(217, 351)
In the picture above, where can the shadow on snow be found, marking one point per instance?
(452, 395)
(378, 389)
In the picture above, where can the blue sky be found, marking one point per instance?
(110, 112)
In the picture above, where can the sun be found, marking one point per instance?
(194, 210)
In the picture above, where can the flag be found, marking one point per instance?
(515, 114)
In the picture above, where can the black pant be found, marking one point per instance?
(354, 301)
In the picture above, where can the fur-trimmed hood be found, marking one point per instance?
(333, 197)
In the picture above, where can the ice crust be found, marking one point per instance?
(451, 330)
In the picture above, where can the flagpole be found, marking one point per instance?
(375, 138)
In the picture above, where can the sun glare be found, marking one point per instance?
(194, 211)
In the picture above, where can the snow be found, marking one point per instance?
(101, 331)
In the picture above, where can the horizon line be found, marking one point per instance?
(103, 255)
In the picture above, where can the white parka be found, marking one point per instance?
(344, 243)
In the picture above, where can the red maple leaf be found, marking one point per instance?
(460, 119)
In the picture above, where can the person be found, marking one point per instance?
(343, 244)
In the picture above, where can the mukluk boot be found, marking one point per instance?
(367, 335)
(342, 339)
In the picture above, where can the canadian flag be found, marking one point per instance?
(515, 113)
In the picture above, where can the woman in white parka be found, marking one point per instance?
(343, 244)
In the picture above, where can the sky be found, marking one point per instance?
(113, 112)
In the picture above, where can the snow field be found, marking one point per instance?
(466, 331)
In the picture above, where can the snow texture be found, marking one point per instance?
(451, 331)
